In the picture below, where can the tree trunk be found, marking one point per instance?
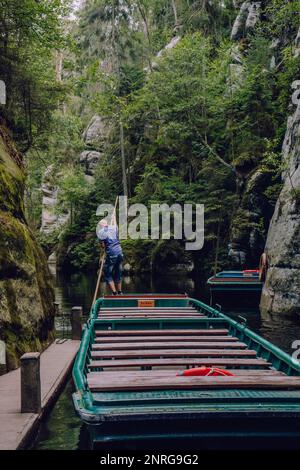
(118, 73)
(175, 13)
(124, 177)
(147, 31)
(217, 247)
(58, 66)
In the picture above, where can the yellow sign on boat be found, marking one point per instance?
(142, 303)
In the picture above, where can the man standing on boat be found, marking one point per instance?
(108, 235)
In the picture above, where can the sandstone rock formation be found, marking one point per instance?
(249, 225)
(26, 293)
(89, 159)
(95, 138)
(281, 293)
(173, 43)
(96, 133)
(246, 20)
(51, 220)
(297, 44)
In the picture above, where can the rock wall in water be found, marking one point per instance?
(281, 293)
(26, 292)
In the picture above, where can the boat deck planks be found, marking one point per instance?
(148, 315)
(168, 345)
(175, 353)
(187, 362)
(136, 339)
(128, 374)
(191, 332)
(171, 348)
(167, 380)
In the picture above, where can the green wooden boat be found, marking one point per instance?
(129, 395)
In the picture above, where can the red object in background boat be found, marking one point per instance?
(205, 372)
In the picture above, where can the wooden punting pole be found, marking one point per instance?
(102, 259)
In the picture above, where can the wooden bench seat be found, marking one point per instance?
(136, 339)
(153, 309)
(167, 380)
(149, 311)
(176, 362)
(150, 315)
(174, 353)
(162, 332)
(168, 345)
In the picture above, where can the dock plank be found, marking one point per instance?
(172, 344)
(166, 380)
(56, 362)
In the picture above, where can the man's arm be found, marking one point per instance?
(114, 220)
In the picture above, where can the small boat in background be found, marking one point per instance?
(245, 281)
(226, 283)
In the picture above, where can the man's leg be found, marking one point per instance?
(118, 273)
(108, 269)
(112, 286)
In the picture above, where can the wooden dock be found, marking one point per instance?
(16, 428)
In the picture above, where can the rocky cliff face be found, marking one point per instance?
(248, 16)
(281, 293)
(26, 294)
(51, 221)
(95, 138)
(250, 222)
(253, 222)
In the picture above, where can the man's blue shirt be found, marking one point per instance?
(109, 236)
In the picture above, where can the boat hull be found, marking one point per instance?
(199, 430)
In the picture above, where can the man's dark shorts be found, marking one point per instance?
(113, 268)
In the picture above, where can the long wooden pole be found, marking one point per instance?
(102, 259)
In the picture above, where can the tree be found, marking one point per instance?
(30, 32)
(74, 188)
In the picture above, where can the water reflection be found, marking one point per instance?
(78, 289)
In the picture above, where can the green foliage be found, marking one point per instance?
(74, 188)
(60, 144)
(207, 113)
(197, 121)
(31, 31)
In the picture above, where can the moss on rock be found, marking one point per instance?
(26, 291)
